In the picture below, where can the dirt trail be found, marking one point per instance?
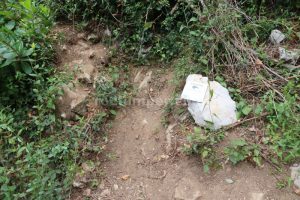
(140, 163)
(142, 168)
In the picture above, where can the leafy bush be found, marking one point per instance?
(284, 127)
(202, 143)
(38, 155)
(239, 150)
(25, 49)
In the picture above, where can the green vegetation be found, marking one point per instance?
(203, 143)
(40, 152)
(239, 150)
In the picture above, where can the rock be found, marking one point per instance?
(87, 192)
(229, 181)
(92, 54)
(277, 37)
(137, 77)
(64, 48)
(86, 73)
(81, 36)
(79, 181)
(105, 193)
(187, 190)
(116, 187)
(72, 102)
(78, 184)
(295, 175)
(291, 56)
(257, 196)
(145, 82)
(169, 132)
(107, 32)
(143, 52)
(217, 109)
(93, 38)
(101, 186)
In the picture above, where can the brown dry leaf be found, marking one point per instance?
(125, 177)
(297, 191)
(258, 62)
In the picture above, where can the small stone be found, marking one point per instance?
(81, 35)
(229, 181)
(92, 55)
(137, 77)
(125, 177)
(87, 192)
(116, 187)
(277, 37)
(137, 137)
(107, 32)
(164, 157)
(101, 186)
(295, 175)
(145, 122)
(257, 196)
(146, 80)
(188, 189)
(105, 193)
(93, 38)
(64, 48)
(151, 90)
(291, 56)
(77, 184)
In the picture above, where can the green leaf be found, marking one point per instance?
(113, 112)
(194, 33)
(197, 130)
(193, 19)
(10, 25)
(26, 68)
(9, 56)
(181, 28)
(246, 110)
(148, 25)
(206, 168)
(238, 142)
(28, 52)
(204, 154)
(258, 110)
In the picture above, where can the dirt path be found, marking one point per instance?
(142, 168)
(142, 162)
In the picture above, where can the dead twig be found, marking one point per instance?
(273, 72)
(244, 121)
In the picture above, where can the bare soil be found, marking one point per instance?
(141, 162)
(143, 168)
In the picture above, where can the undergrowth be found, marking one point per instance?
(222, 40)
